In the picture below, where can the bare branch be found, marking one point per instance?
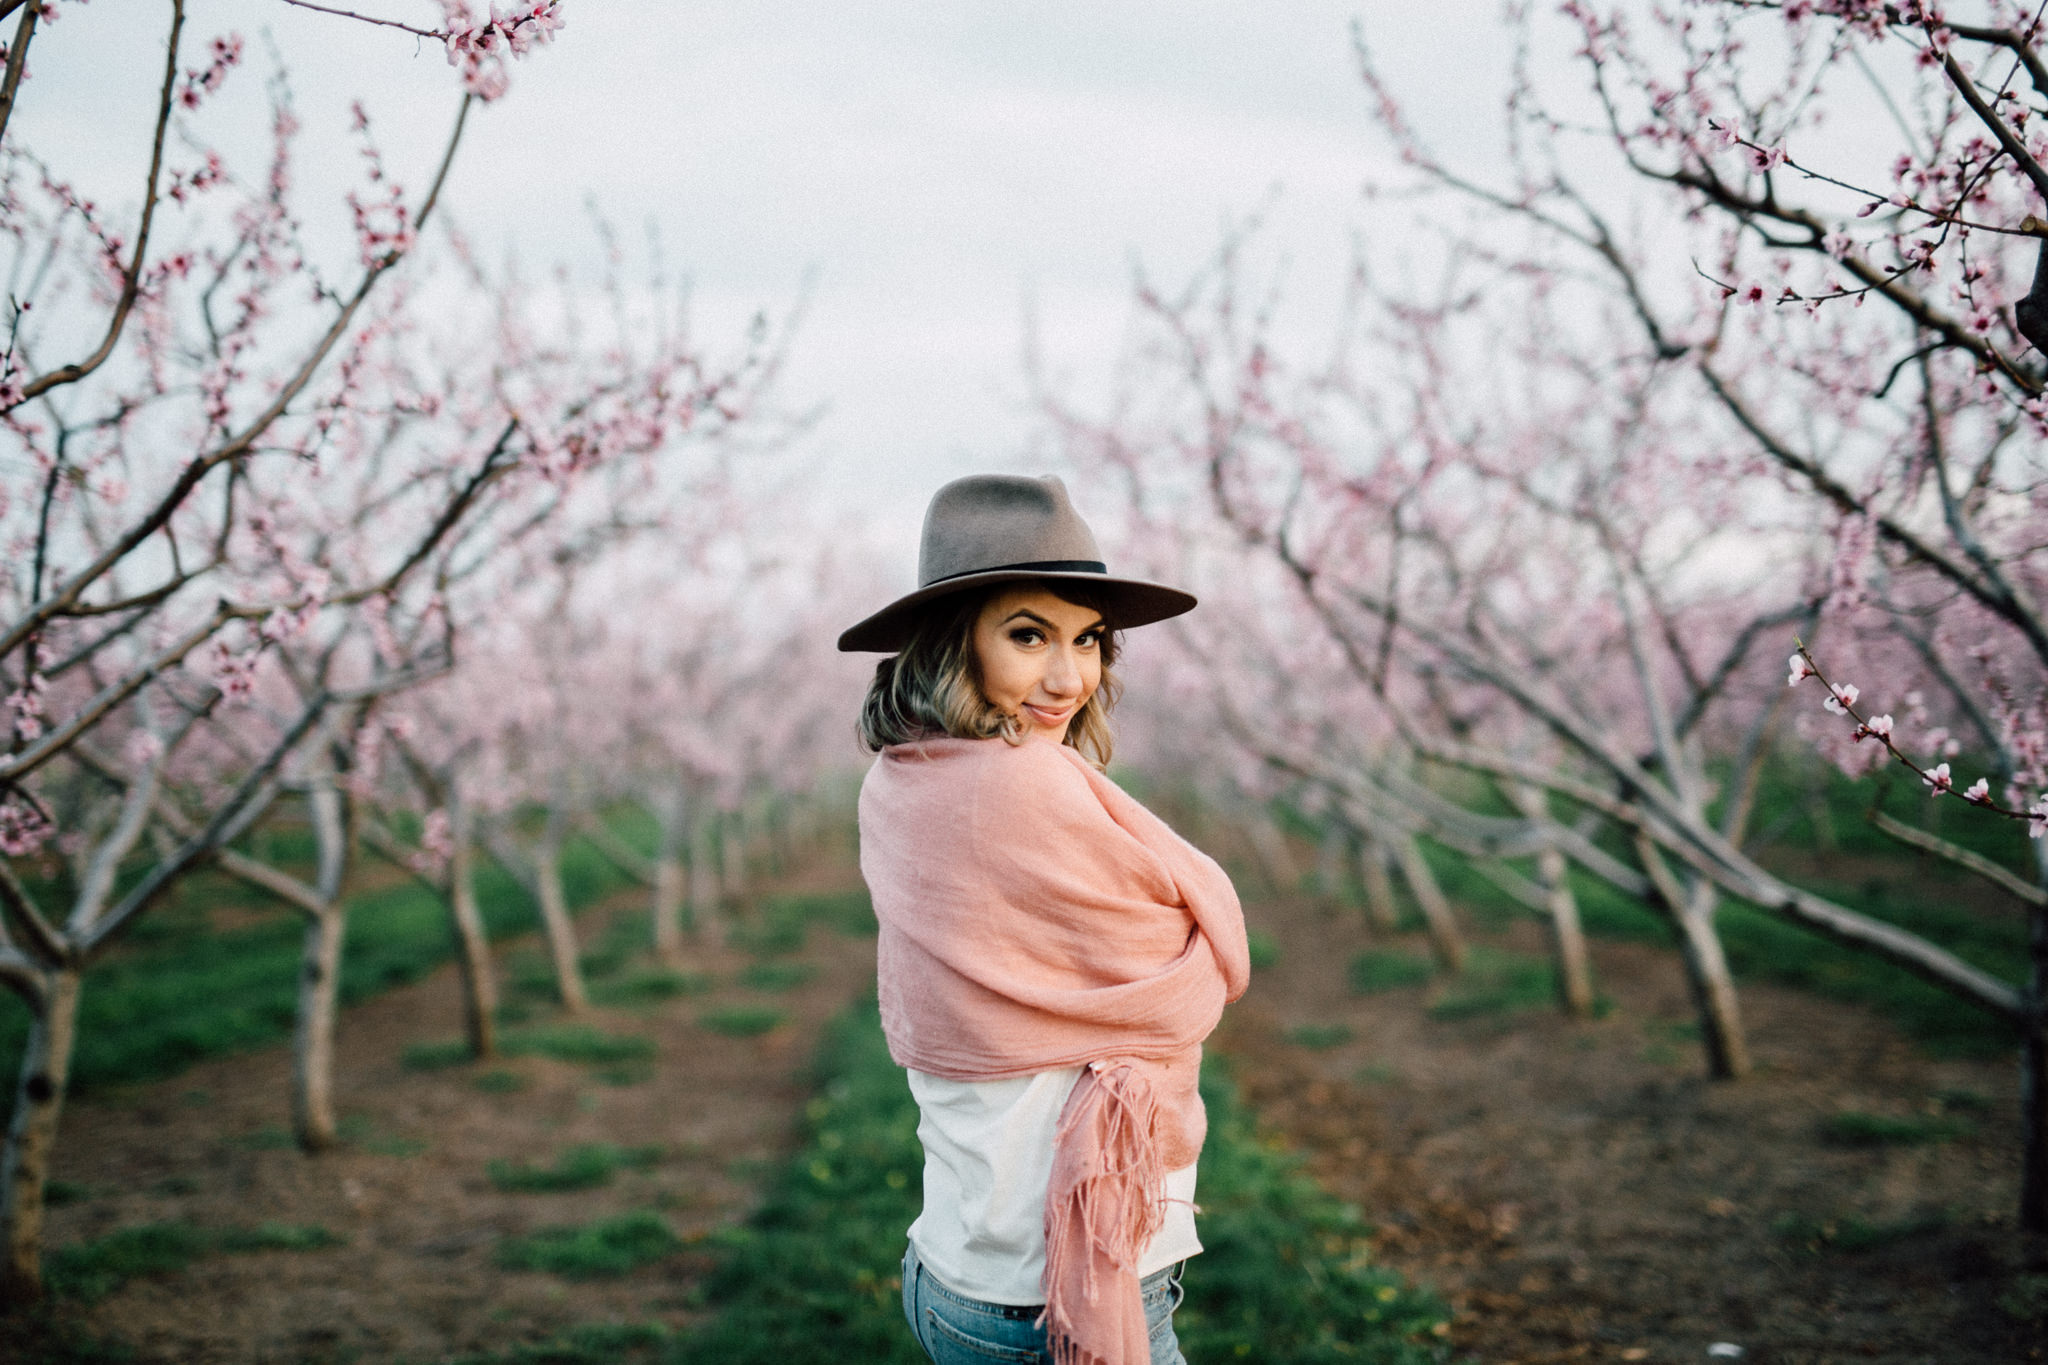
(19, 909)
(1999, 877)
(131, 277)
(17, 57)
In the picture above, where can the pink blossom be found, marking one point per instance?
(1801, 670)
(1841, 698)
(1878, 726)
(1979, 792)
(1939, 779)
(23, 829)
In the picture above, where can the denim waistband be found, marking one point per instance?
(912, 1263)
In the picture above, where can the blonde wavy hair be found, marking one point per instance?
(933, 687)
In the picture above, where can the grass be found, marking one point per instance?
(2027, 1299)
(605, 1249)
(647, 986)
(178, 989)
(1495, 983)
(580, 1043)
(500, 1082)
(592, 1343)
(583, 1167)
(1265, 949)
(1378, 970)
(1852, 1234)
(780, 925)
(436, 1055)
(777, 976)
(1878, 878)
(1317, 1037)
(1855, 1128)
(815, 1273)
(742, 1021)
(91, 1270)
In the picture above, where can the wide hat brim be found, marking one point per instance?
(1130, 602)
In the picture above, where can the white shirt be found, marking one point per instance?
(987, 1161)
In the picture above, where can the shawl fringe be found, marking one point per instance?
(1103, 1206)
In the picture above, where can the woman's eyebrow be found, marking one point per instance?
(1050, 628)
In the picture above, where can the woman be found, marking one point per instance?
(1051, 954)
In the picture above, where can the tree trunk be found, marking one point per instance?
(1691, 912)
(704, 915)
(472, 945)
(32, 1137)
(313, 1036)
(1444, 939)
(668, 879)
(554, 918)
(1713, 989)
(1330, 859)
(1381, 911)
(780, 845)
(2034, 1066)
(732, 854)
(320, 971)
(1567, 938)
(1276, 860)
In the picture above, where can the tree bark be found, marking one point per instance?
(2034, 1065)
(554, 917)
(1381, 910)
(1713, 988)
(32, 1136)
(1567, 938)
(1276, 860)
(732, 854)
(472, 945)
(313, 1036)
(704, 913)
(1331, 857)
(668, 879)
(1444, 938)
(313, 1119)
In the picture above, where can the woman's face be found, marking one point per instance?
(1039, 657)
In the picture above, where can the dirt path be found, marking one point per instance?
(1579, 1193)
(407, 1196)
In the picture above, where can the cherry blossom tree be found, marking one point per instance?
(1870, 293)
(246, 501)
(1572, 482)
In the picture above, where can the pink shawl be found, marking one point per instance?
(1034, 916)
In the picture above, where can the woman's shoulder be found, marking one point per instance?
(987, 759)
(989, 787)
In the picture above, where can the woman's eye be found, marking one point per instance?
(1090, 640)
(1025, 637)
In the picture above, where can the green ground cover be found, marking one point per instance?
(1286, 1280)
(92, 1270)
(180, 988)
(1808, 813)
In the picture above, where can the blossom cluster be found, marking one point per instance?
(478, 47)
(1841, 700)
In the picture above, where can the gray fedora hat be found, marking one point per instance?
(1004, 528)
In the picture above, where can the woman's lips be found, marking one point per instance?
(1047, 717)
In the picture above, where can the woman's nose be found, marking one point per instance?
(1062, 674)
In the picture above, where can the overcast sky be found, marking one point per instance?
(926, 167)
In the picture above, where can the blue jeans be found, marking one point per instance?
(957, 1330)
